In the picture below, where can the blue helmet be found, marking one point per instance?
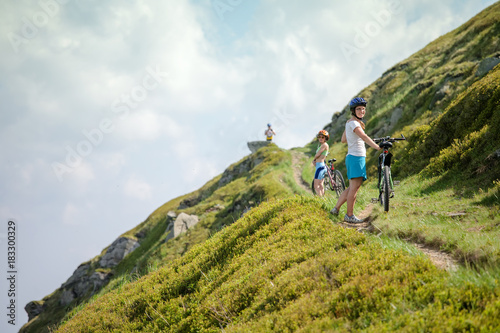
(357, 101)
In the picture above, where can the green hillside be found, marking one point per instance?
(267, 256)
(285, 267)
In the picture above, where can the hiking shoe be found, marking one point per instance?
(352, 219)
(334, 211)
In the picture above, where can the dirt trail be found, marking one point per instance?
(439, 259)
(298, 161)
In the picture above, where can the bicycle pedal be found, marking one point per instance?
(374, 200)
(392, 195)
(396, 182)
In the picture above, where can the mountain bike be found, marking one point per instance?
(333, 179)
(385, 183)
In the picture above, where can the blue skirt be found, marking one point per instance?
(356, 166)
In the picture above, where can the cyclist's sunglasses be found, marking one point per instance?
(321, 136)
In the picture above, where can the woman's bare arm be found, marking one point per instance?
(344, 138)
(359, 131)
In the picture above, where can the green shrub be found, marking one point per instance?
(464, 137)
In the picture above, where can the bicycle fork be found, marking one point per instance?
(385, 162)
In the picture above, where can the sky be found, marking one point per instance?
(109, 109)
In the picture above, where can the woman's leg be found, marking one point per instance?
(342, 199)
(318, 187)
(354, 185)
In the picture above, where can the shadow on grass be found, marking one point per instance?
(467, 186)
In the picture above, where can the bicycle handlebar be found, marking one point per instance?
(389, 139)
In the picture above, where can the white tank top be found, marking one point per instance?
(355, 145)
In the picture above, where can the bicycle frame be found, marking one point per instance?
(330, 168)
(384, 159)
(337, 182)
(385, 182)
(333, 178)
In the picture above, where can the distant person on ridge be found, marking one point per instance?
(319, 162)
(355, 161)
(269, 132)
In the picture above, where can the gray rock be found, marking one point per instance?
(81, 282)
(99, 280)
(256, 145)
(184, 222)
(236, 171)
(337, 126)
(117, 251)
(81, 287)
(171, 216)
(34, 308)
(85, 280)
(190, 202)
(396, 115)
(487, 65)
(181, 224)
(78, 275)
(67, 297)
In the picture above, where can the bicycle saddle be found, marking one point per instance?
(385, 144)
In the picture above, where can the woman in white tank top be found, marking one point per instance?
(355, 137)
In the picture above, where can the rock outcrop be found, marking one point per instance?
(34, 308)
(117, 251)
(88, 278)
(238, 170)
(487, 65)
(256, 145)
(181, 224)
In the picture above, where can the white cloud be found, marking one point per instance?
(148, 125)
(79, 178)
(185, 150)
(138, 189)
(113, 161)
(72, 214)
(140, 125)
(199, 169)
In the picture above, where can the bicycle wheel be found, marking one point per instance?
(339, 184)
(327, 183)
(386, 188)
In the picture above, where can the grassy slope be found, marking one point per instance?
(285, 267)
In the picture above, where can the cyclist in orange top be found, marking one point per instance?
(319, 162)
